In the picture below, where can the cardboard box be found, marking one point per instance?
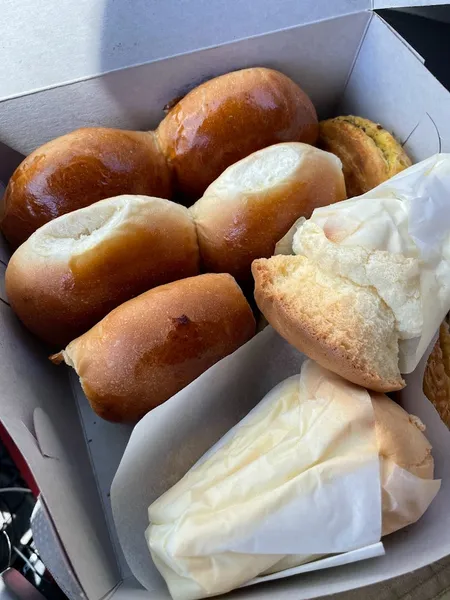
(119, 68)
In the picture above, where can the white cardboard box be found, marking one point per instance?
(347, 59)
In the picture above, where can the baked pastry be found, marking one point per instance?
(228, 118)
(346, 306)
(264, 498)
(76, 170)
(436, 381)
(244, 213)
(346, 328)
(74, 270)
(369, 280)
(152, 346)
(215, 125)
(369, 153)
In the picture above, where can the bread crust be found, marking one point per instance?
(149, 348)
(230, 117)
(346, 358)
(236, 225)
(60, 292)
(369, 153)
(436, 381)
(78, 169)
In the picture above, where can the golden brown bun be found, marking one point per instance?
(215, 125)
(250, 207)
(151, 347)
(345, 328)
(76, 170)
(72, 271)
(436, 381)
(228, 118)
(369, 154)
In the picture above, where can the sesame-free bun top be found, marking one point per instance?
(215, 125)
(72, 271)
(152, 346)
(76, 170)
(229, 117)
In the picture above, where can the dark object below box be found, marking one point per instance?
(429, 37)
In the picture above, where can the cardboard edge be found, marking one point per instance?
(48, 458)
(189, 52)
(355, 59)
(379, 4)
(413, 51)
(52, 551)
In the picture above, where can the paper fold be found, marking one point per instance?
(407, 218)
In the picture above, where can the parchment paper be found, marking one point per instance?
(170, 439)
(410, 215)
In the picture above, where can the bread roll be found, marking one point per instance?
(151, 347)
(298, 475)
(436, 381)
(369, 153)
(244, 213)
(228, 118)
(215, 125)
(74, 270)
(76, 170)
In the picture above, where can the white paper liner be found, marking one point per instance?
(172, 438)
(409, 215)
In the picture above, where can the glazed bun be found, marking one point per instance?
(228, 118)
(215, 125)
(72, 271)
(151, 347)
(76, 170)
(250, 207)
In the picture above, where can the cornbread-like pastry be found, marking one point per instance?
(369, 153)
(436, 381)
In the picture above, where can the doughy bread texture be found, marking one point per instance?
(244, 213)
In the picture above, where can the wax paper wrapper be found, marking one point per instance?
(408, 215)
(297, 478)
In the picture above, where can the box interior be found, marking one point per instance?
(350, 64)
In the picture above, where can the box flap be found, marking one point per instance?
(44, 46)
(376, 4)
(318, 57)
(413, 105)
(40, 414)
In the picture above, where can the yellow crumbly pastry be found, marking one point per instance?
(369, 153)
(436, 381)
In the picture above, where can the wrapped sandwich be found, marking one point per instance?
(319, 466)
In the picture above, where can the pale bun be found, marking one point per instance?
(228, 118)
(76, 170)
(74, 270)
(250, 207)
(346, 328)
(151, 347)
